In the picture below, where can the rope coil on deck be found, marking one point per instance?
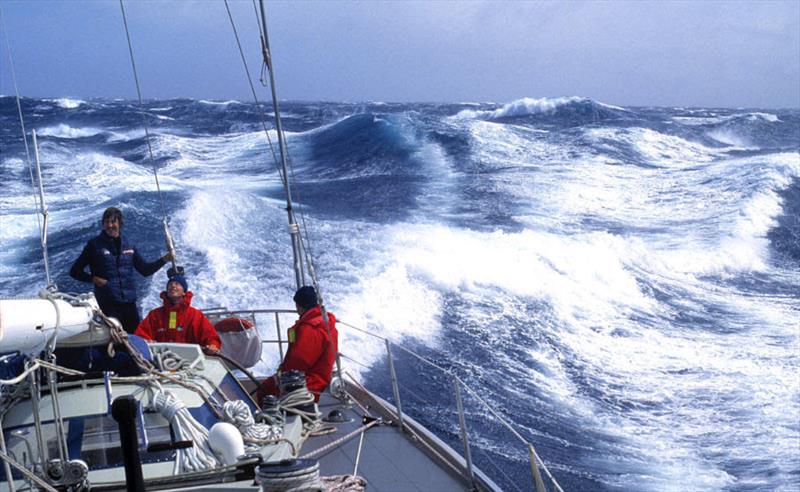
(238, 413)
(296, 402)
(199, 456)
(290, 476)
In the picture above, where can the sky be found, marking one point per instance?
(629, 53)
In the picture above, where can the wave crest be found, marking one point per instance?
(559, 107)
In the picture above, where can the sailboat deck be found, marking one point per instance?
(390, 460)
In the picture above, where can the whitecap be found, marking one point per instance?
(218, 103)
(66, 102)
(529, 106)
(65, 131)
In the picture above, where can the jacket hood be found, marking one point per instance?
(316, 312)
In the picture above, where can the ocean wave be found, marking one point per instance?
(66, 103)
(573, 106)
(218, 103)
(63, 130)
(654, 147)
(352, 142)
(732, 138)
(713, 119)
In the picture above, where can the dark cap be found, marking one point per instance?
(181, 280)
(306, 297)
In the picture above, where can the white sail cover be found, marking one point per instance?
(27, 324)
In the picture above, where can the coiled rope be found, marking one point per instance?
(293, 403)
(238, 413)
(302, 480)
(199, 456)
(168, 360)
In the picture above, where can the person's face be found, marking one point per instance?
(175, 291)
(111, 225)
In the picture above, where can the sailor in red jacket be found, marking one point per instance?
(177, 321)
(312, 347)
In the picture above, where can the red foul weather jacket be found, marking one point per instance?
(180, 323)
(311, 350)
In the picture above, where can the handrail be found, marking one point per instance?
(536, 460)
(472, 392)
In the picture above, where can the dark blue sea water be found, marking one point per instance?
(621, 283)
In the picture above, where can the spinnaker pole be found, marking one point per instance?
(43, 231)
(294, 229)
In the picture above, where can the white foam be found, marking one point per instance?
(769, 117)
(657, 148)
(713, 119)
(67, 103)
(65, 131)
(218, 103)
(730, 137)
(118, 135)
(529, 106)
(740, 243)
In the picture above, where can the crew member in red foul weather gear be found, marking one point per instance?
(177, 321)
(312, 347)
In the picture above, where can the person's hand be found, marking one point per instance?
(210, 350)
(168, 257)
(99, 281)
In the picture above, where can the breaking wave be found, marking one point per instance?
(623, 281)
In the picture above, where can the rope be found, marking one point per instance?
(302, 480)
(341, 440)
(238, 413)
(344, 483)
(168, 360)
(36, 364)
(272, 415)
(51, 343)
(199, 456)
(291, 403)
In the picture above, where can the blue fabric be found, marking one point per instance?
(11, 367)
(96, 359)
(113, 259)
(75, 437)
(181, 280)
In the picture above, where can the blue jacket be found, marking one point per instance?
(114, 260)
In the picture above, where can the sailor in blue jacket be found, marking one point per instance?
(111, 260)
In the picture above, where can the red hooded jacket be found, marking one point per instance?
(311, 350)
(180, 323)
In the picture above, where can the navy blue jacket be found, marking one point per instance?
(114, 260)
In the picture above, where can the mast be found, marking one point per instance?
(294, 229)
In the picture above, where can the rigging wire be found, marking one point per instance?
(265, 82)
(294, 230)
(303, 242)
(37, 205)
(259, 107)
(167, 233)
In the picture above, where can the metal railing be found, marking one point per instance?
(536, 463)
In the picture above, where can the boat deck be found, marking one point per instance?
(390, 460)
